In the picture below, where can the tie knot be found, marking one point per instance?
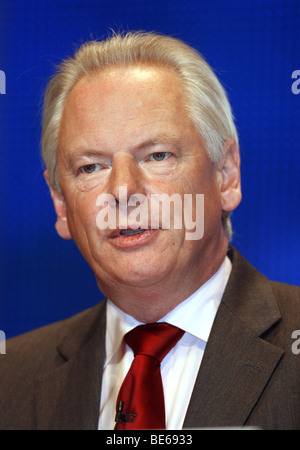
(153, 339)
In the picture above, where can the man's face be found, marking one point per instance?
(128, 127)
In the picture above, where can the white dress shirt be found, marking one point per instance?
(180, 367)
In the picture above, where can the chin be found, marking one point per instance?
(138, 275)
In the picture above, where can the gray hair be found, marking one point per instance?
(206, 99)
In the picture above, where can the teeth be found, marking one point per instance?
(131, 232)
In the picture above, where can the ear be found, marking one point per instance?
(61, 225)
(230, 184)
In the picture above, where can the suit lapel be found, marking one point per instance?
(235, 369)
(237, 362)
(69, 397)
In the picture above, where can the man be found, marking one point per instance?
(126, 120)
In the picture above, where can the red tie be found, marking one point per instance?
(140, 403)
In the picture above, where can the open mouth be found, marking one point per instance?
(131, 232)
(130, 238)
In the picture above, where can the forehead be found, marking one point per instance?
(123, 102)
(136, 77)
(135, 85)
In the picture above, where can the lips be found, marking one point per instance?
(130, 238)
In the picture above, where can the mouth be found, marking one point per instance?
(130, 237)
(131, 232)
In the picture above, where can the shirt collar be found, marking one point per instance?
(195, 315)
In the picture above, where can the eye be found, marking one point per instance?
(160, 156)
(90, 168)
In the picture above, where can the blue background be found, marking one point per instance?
(253, 45)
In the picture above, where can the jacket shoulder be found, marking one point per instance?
(38, 348)
(34, 354)
(286, 291)
(288, 301)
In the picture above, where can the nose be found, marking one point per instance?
(125, 173)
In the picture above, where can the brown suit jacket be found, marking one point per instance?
(50, 378)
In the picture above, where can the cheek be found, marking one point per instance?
(81, 214)
(204, 182)
(212, 209)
